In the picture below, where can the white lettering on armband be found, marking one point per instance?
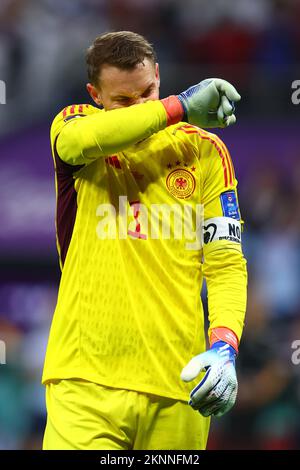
(221, 228)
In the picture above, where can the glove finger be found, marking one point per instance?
(202, 393)
(214, 121)
(219, 119)
(228, 89)
(229, 120)
(211, 401)
(198, 395)
(221, 404)
(214, 385)
(194, 367)
(228, 405)
(227, 106)
(210, 410)
(220, 113)
(227, 402)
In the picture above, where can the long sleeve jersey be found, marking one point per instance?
(144, 211)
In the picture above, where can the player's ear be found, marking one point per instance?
(157, 76)
(94, 93)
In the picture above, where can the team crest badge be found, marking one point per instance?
(181, 183)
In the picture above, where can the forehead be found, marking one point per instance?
(118, 81)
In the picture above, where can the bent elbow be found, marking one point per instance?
(67, 146)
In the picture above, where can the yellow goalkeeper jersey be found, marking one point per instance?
(133, 248)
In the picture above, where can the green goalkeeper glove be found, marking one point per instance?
(208, 104)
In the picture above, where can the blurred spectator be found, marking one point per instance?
(272, 208)
(266, 415)
(251, 35)
(11, 47)
(277, 46)
(25, 315)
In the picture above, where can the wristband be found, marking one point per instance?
(174, 109)
(224, 334)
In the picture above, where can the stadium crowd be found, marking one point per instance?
(257, 37)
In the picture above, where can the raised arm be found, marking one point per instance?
(80, 141)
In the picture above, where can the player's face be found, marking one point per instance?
(121, 88)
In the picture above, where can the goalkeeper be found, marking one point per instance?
(126, 366)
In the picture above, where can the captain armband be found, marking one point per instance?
(221, 228)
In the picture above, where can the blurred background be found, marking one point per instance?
(253, 43)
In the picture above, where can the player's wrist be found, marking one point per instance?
(226, 335)
(174, 109)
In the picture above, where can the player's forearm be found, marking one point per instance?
(226, 276)
(86, 139)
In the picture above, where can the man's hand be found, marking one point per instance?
(216, 393)
(210, 103)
